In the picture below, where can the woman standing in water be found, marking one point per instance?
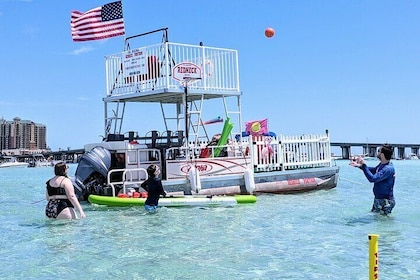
(61, 197)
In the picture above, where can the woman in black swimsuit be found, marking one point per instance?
(61, 197)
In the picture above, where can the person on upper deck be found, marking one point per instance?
(383, 178)
(61, 197)
(154, 188)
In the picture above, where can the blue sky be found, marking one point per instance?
(352, 67)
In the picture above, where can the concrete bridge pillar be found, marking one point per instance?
(346, 152)
(401, 153)
(373, 151)
(370, 151)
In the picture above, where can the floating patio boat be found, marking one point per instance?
(174, 201)
(9, 161)
(188, 82)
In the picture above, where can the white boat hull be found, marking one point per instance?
(13, 164)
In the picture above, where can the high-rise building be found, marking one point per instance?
(22, 134)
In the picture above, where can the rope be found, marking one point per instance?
(354, 182)
(38, 201)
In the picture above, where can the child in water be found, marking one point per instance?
(154, 188)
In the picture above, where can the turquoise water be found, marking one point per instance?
(317, 235)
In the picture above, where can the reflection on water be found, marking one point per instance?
(369, 218)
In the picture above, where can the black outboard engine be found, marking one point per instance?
(91, 173)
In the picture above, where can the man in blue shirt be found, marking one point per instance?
(383, 178)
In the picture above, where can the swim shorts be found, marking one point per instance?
(383, 206)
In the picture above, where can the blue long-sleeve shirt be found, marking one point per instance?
(383, 178)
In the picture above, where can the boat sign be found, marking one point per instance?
(186, 71)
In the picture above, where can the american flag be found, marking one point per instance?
(99, 23)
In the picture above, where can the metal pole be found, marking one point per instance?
(186, 112)
(186, 81)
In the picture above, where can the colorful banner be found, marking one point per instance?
(258, 127)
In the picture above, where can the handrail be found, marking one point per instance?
(165, 36)
(125, 182)
(153, 72)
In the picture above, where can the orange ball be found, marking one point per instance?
(269, 32)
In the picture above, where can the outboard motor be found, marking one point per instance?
(91, 172)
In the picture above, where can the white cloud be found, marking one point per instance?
(82, 50)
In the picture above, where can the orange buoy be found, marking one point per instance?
(269, 32)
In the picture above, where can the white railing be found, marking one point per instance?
(150, 68)
(127, 178)
(290, 152)
(270, 153)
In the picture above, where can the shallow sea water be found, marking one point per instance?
(316, 235)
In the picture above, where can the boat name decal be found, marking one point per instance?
(309, 180)
(293, 182)
(183, 69)
(200, 167)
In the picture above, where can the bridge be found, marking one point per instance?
(69, 156)
(66, 155)
(370, 149)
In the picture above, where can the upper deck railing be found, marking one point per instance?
(148, 70)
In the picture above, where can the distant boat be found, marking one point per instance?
(9, 161)
(413, 156)
(38, 160)
(364, 156)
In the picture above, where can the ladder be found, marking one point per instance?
(114, 120)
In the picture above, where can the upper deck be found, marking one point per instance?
(146, 74)
(180, 76)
